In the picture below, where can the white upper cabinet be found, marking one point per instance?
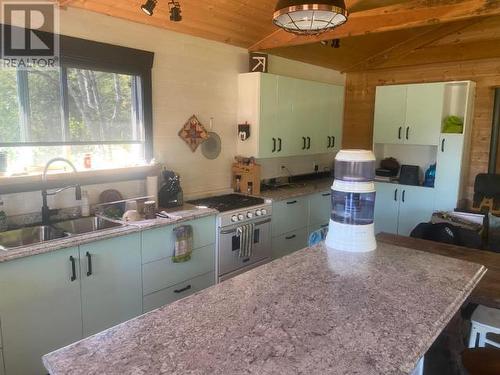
(409, 114)
(289, 116)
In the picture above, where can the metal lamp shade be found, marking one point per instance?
(309, 17)
(149, 7)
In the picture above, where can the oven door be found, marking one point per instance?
(229, 247)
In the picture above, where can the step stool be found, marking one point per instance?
(484, 320)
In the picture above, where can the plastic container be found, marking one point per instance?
(355, 166)
(353, 208)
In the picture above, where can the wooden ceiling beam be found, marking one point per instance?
(411, 14)
(406, 47)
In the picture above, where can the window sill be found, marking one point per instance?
(19, 184)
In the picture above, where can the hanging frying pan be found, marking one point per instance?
(211, 148)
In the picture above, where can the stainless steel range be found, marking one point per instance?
(236, 210)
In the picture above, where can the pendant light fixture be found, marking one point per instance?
(149, 7)
(309, 17)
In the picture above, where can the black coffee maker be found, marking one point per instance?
(170, 194)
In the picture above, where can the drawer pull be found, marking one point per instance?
(291, 202)
(396, 195)
(89, 264)
(182, 290)
(326, 194)
(246, 260)
(290, 237)
(325, 225)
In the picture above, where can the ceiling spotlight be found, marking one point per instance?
(148, 7)
(309, 17)
(175, 11)
(336, 43)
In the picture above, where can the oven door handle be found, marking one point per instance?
(259, 223)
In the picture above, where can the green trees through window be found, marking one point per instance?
(70, 112)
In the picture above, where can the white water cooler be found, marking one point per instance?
(353, 202)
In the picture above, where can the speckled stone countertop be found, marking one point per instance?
(298, 189)
(180, 214)
(312, 312)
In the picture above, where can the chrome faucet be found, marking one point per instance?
(46, 211)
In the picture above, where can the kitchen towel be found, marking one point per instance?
(183, 243)
(245, 232)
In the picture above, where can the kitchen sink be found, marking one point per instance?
(85, 225)
(29, 236)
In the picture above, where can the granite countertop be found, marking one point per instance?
(298, 189)
(313, 312)
(180, 214)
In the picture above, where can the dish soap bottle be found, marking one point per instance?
(85, 206)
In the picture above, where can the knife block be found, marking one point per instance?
(248, 175)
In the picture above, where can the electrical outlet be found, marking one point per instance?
(316, 167)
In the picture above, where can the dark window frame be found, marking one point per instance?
(87, 54)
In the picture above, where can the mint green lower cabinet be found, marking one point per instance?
(165, 273)
(159, 243)
(289, 215)
(112, 293)
(417, 205)
(2, 369)
(40, 309)
(320, 208)
(289, 242)
(168, 295)
(387, 207)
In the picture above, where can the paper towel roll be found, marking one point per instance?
(152, 188)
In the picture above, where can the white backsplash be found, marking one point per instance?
(295, 165)
(31, 202)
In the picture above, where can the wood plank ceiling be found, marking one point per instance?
(379, 33)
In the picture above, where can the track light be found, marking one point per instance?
(175, 11)
(149, 7)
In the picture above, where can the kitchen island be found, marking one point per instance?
(315, 312)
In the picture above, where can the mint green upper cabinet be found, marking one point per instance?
(448, 172)
(424, 112)
(112, 292)
(40, 309)
(417, 206)
(387, 207)
(268, 127)
(288, 116)
(390, 114)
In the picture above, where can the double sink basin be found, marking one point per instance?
(42, 233)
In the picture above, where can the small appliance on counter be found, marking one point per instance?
(170, 194)
(246, 177)
(410, 175)
(353, 201)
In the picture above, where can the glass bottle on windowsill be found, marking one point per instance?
(3, 218)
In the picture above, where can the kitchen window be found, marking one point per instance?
(95, 103)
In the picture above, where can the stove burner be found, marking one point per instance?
(227, 202)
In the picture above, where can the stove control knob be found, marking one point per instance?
(234, 218)
(258, 213)
(264, 211)
(249, 215)
(241, 217)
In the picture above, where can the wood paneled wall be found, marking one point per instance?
(360, 103)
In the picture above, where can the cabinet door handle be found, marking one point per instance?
(291, 202)
(326, 194)
(290, 237)
(396, 195)
(333, 141)
(329, 142)
(442, 144)
(279, 147)
(325, 225)
(183, 289)
(308, 143)
(407, 132)
(73, 268)
(399, 132)
(403, 197)
(303, 143)
(89, 263)
(274, 144)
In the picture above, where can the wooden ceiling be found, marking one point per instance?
(378, 34)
